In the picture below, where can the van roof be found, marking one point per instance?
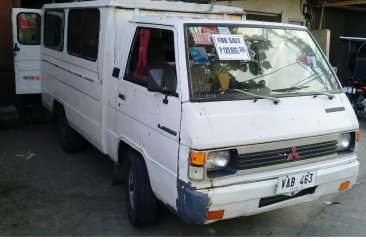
(150, 5)
(179, 21)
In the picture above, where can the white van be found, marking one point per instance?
(214, 116)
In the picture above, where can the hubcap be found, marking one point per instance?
(131, 188)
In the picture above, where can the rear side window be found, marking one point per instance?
(29, 28)
(53, 29)
(83, 33)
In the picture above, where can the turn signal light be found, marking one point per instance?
(344, 186)
(197, 158)
(215, 215)
(358, 135)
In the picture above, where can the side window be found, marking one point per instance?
(151, 49)
(29, 28)
(54, 29)
(83, 33)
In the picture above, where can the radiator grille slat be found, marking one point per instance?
(279, 156)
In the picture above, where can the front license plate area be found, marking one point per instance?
(295, 182)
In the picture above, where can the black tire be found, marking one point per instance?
(118, 174)
(142, 203)
(21, 106)
(120, 170)
(70, 140)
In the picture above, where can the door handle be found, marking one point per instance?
(16, 48)
(122, 96)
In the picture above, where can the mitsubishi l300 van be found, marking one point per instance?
(214, 116)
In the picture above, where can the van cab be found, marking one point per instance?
(214, 116)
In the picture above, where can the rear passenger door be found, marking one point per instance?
(27, 50)
(151, 124)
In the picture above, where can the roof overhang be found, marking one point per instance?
(355, 5)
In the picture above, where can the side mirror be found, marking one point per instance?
(155, 80)
(162, 80)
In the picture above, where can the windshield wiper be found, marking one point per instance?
(290, 89)
(316, 93)
(275, 100)
(330, 96)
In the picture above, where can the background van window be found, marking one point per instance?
(29, 28)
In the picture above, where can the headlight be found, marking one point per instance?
(344, 142)
(217, 160)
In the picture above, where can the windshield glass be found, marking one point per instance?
(229, 62)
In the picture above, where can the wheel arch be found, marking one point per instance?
(123, 161)
(58, 108)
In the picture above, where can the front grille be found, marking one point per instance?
(279, 156)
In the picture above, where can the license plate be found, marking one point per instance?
(350, 90)
(296, 182)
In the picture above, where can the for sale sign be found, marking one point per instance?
(230, 47)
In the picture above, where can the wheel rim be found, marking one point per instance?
(131, 188)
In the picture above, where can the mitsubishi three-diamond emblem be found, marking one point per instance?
(293, 154)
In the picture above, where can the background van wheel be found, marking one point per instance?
(70, 140)
(141, 201)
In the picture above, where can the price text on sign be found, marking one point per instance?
(230, 47)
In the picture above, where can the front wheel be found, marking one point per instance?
(141, 201)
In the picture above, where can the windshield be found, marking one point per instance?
(236, 62)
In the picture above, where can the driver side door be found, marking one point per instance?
(149, 122)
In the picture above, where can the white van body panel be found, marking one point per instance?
(245, 122)
(85, 100)
(110, 110)
(140, 117)
(243, 198)
(77, 84)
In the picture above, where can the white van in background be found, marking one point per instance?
(214, 116)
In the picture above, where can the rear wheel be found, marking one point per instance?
(141, 201)
(70, 140)
(118, 174)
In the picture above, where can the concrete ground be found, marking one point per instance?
(347, 217)
(46, 192)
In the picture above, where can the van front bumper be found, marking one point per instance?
(248, 198)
